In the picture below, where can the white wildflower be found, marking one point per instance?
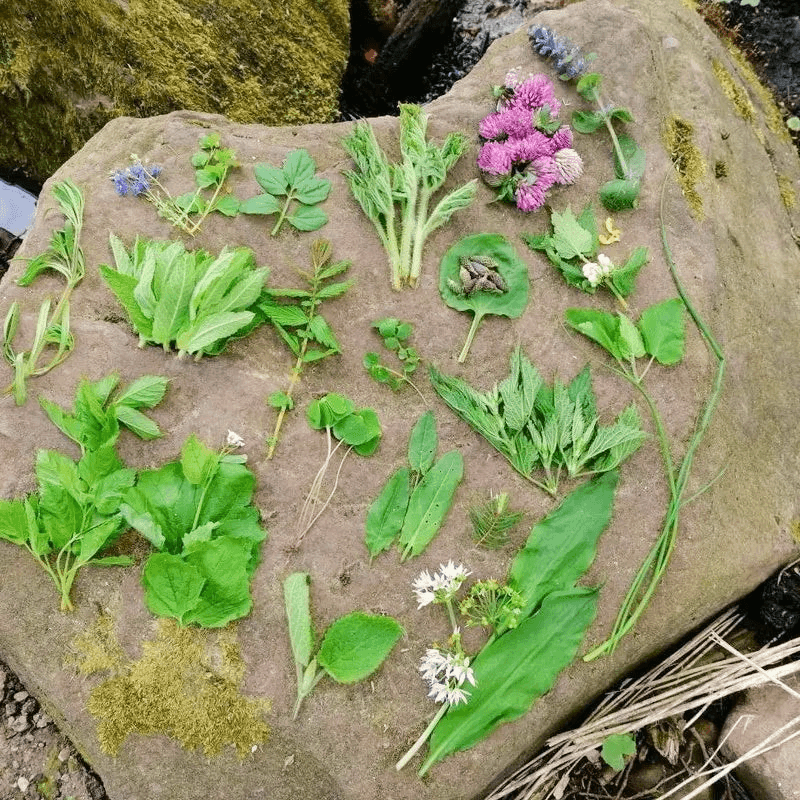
(445, 674)
(441, 586)
(234, 440)
(606, 264)
(593, 273)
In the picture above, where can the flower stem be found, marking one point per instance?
(476, 320)
(412, 751)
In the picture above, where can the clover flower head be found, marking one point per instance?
(234, 440)
(441, 586)
(445, 673)
(569, 165)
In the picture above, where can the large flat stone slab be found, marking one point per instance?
(740, 264)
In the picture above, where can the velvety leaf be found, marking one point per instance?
(587, 121)
(562, 546)
(620, 194)
(570, 238)
(286, 315)
(588, 85)
(298, 615)
(172, 309)
(423, 444)
(172, 587)
(514, 670)
(387, 512)
(429, 503)
(355, 645)
(662, 328)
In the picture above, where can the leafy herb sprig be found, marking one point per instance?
(379, 186)
(298, 183)
(538, 427)
(353, 646)
(187, 300)
(572, 248)
(492, 520)
(296, 316)
(75, 514)
(395, 335)
(629, 158)
(65, 256)
(415, 500)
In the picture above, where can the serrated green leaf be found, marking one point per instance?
(213, 329)
(570, 238)
(123, 286)
(321, 332)
(588, 85)
(299, 166)
(387, 512)
(146, 391)
(298, 614)
(662, 327)
(355, 645)
(599, 326)
(334, 290)
(587, 121)
(171, 310)
(13, 521)
(423, 444)
(312, 190)
(624, 276)
(137, 422)
(307, 218)
(429, 503)
(260, 204)
(271, 179)
(290, 316)
(620, 194)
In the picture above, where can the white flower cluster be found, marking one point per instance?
(234, 440)
(441, 586)
(596, 273)
(445, 674)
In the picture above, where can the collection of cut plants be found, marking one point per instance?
(197, 512)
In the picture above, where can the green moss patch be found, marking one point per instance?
(788, 194)
(688, 160)
(186, 685)
(734, 92)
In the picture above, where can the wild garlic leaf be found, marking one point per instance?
(355, 645)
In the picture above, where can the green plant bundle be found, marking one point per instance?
(187, 300)
(538, 427)
(97, 417)
(415, 500)
(65, 256)
(198, 513)
(395, 335)
(483, 274)
(295, 313)
(573, 245)
(521, 663)
(352, 648)
(298, 183)
(75, 514)
(378, 186)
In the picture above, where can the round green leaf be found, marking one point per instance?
(510, 303)
(328, 410)
(359, 428)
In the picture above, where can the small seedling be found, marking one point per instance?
(492, 521)
(395, 335)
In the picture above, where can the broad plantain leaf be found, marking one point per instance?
(172, 587)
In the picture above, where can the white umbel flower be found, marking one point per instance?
(445, 674)
(441, 586)
(234, 440)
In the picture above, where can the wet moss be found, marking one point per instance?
(71, 65)
(786, 188)
(186, 685)
(678, 139)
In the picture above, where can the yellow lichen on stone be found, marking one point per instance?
(735, 93)
(788, 194)
(186, 685)
(678, 139)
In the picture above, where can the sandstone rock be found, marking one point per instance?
(760, 714)
(66, 68)
(740, 265)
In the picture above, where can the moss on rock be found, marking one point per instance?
(688, 160)
(68, 66)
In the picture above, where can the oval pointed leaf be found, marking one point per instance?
(298, 614)
(423, 443)
(260, 204)
(356, 645)
(172, 587)
(387, 512)
(307, 218)
(299, 167)
(271, 179)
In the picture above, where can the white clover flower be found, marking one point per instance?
(234, 440)
(441, 586)
(569, 164)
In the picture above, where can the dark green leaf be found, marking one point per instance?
(588, 86)
(146, 391)
(172, 587)
(328, 410)
(387, 512)
(599, 326)
(618, 195)
(587, 121)
(624, 276)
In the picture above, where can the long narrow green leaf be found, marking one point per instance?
(514, 670)
(387, 512)
(298, 614)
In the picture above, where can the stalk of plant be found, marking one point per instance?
(379, 186)
(655, 564)
(300, 324)
(65, 256)
(629, 158)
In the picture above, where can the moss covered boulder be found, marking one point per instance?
(69, 66)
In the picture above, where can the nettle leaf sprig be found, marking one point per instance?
(397, 197)
(395, 335)
(212, 166)
(186, 300)
(52, 340)
(536, 620)
(295, 313)
(352, 648)
(75, 514)
(198, 514)
(629, 159)
(572, 247)
(554, 429)
(293, 192)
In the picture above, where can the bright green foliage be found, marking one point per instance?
(75, 514)
(198, 514)
(414, 502)
(187, 300)
(574, 242)
(659, 333)
(65, 256)
(97, 416)
(615, 748)
(296, 316)
(492, 521)
(464, 290)
(395, 335)
(360, 429)
(379, 186)
(555, 429)
(353, 647)
(298, 183)
(521, 663)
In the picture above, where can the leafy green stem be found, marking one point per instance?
(623, 164)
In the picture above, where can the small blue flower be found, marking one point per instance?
(567, 57)
(120, 182)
